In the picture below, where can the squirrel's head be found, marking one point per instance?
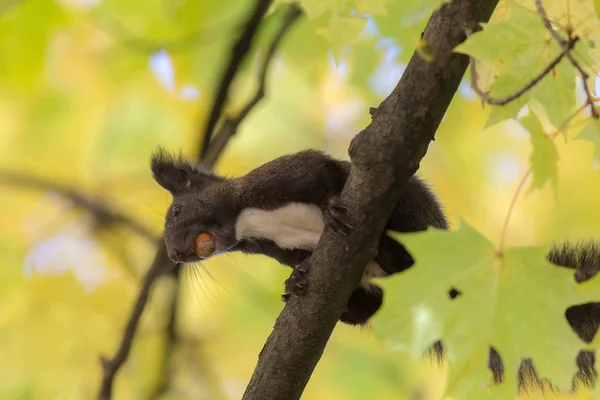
(202, 202)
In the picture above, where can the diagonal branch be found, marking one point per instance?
(485, 97)
(239, 51)
(161, 263)
(104, 215)
(111, 366)
(230, 125)
(384, 155)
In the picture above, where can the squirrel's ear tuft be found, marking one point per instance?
(169, 172)
(178, 175)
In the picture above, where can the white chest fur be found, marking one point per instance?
(293, 226)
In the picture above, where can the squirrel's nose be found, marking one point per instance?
(176, 255)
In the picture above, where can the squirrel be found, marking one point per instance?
(280, 209)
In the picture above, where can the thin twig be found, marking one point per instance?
(111, 366)
(103, 214)
(293, 12)
(230, 125)
(239, 51)
(513, 202)
(171, 340)
(161, 263)
(505, 100)
(567, 51)
(511, 207)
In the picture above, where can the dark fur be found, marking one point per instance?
(213, 203)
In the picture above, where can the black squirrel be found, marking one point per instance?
(280, 209)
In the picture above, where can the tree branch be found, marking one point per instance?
(485, 97)
(102, 212)
(230, 125)
(384, 156)
(111, 366)
(161, 263)
(241, 47)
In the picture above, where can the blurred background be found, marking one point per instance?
(89, 88)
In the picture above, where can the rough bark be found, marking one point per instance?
(384, 155)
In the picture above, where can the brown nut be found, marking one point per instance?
(205, 245)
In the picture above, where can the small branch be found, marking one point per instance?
(564, 44)
(511, 207)
(161, 263)
(526, 176)
(293, 12)
(110, 367)
(241, 47)
(230, 125)
(505, 100)
(384, 156)
(103, 214)
(171, 340)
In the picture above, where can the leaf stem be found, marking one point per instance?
(511, 208)
(550, 136)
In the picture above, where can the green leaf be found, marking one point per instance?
(478, 377)
(306, 50)
(27, 32)
(544, 158)
(477, 385)
(597, 8)
(502, 87)
(508, 111)
(591, 133)
(590, 293)
(502, 39)
(514, 302)
(315, 8)
(411, 12)
(519, 34)
(342, 31)
(403, 21)
(386, 377)
(520, 49)
(556, 93)
(371, 7)
(364, 60)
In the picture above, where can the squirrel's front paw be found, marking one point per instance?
(335, 216)
(297, 283)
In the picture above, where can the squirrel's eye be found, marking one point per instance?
(176, 210)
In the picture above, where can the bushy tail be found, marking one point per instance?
(363, 303)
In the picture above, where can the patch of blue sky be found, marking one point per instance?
(161, 66)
